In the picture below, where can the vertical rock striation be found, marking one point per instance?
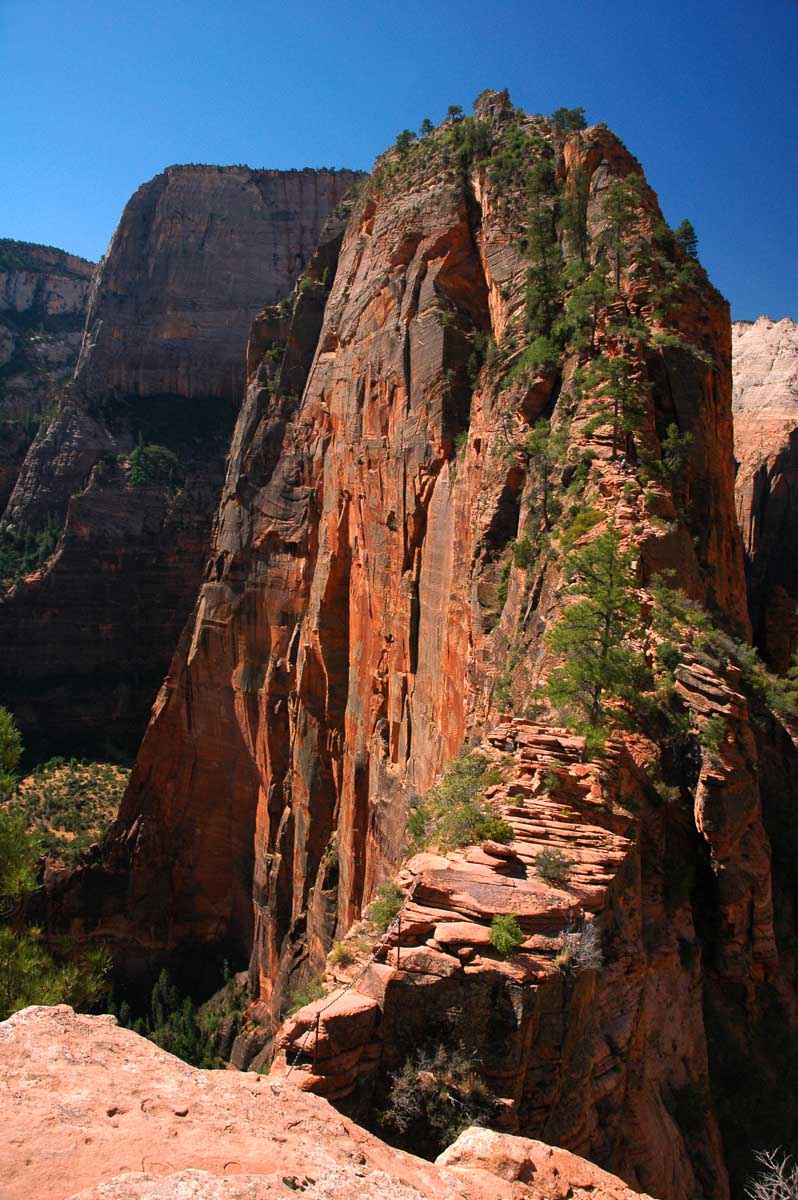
(765, 409)
(383, 573)
(85, 640)
(43, 298)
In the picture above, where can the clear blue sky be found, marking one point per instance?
(99, 95)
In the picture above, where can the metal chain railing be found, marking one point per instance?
(314, 1027)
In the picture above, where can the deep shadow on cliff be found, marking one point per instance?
(86, 639)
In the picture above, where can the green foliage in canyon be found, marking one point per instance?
(455, 813)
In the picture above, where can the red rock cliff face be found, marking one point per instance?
(765, 421)
(86, 640)
(43, 298)
(364, 613)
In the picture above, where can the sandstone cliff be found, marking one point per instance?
(43, 298)
(765, 406)
(385, 566)
(85, 641)
(95, 1112)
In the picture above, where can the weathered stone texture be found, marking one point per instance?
(43, 299)
(95, 1112)
(765, 409)
(85, 641)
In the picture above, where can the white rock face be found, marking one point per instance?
(765, 408)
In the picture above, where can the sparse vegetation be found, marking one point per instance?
(580, 949)
(23, 550)
(777, 1178)
(341, 955)
(312, 989)
(553, 866)
(436, 1095)
(454, 813)
(505, 933)
(386, 906)
(71, 803)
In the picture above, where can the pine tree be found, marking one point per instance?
(620, 392)
(10, 752)
(544, 282)
(620, 210)
(574, 212)
(569, 120)
(592, 635)
(685, 236)
(426, 127)
(404, 141)
(585, 305)
(545, 448)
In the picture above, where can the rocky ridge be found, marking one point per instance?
(86, 639)
(43, 299)
(368, 608)
(96, 1112)
(765, 407)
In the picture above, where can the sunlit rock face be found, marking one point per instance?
(765, 406)
(43, 298)
(379, 591)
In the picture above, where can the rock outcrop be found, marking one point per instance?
(43, 298)
(85, 641)
(387, 560)
(765, 406)
(95, 1112)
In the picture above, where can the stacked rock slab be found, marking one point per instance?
(43, 298)
(765, 409)
(85, 642)
(365, 612)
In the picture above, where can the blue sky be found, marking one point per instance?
(99, 95)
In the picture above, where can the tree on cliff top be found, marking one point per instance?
(685, 236)
(569, 120)
(592, 635)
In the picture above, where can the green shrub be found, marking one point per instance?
(153, 464)
(436, 1095)
(553, 866)
(387, 905)
(454, 814)
(505, 933)
(341, 955)
(582, 522)
(713, 733)
(524, 553)
(305, 993)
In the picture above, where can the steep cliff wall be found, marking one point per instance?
(765, 406)
(85, 640)
(43, 298)
(387, 558)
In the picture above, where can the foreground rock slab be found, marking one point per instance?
(95, 1112)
